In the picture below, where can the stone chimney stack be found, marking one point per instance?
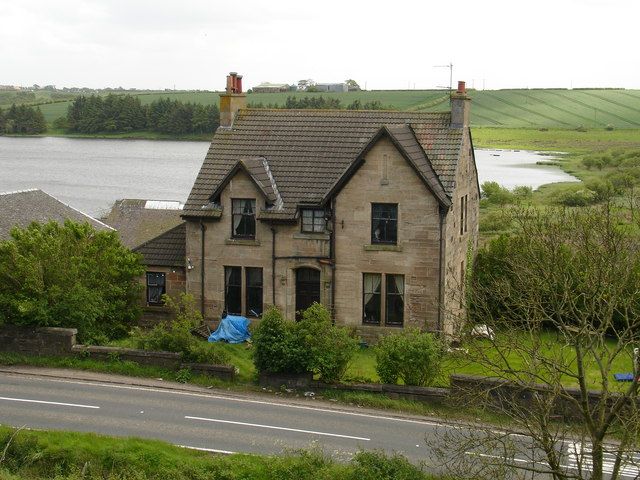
(460, 107)
(232, 100)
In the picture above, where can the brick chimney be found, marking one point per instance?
(460, 107)
(232, 100)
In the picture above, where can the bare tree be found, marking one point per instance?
(562, 294)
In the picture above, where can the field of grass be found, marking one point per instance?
(522, 108)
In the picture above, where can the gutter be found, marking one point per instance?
(273, 266)
(443, 249)
(203, 229)
(332, 254)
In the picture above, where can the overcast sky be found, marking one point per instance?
(395, 44)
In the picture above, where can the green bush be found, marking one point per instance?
(494, 222)
(496, 194)
(276, 346)
(410, 356)
(331, 347)
(380, 466)
(176, 336)
(69, 275)
(311, 345)
(577, 198)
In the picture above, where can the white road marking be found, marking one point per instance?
(27, 400)
(581, 454)
(202, 449)
(245, 400)
(273, 427)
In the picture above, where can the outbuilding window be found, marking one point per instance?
(243, 213)
(384, 223)
(156, 287)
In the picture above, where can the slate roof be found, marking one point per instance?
(136, 222)
(308, 151)
(23, 207)
(167, 249)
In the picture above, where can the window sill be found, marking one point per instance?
(382, 247)
(242, 241)
(311, 236)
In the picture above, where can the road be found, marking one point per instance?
(209, 421)
(226, 423)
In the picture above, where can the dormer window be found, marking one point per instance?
(313, 220)
(243, 222)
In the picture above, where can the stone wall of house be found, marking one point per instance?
(460, 247)
(222, 250)
(386, 177)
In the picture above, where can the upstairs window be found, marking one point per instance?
(384, 223)
(243, 213)
(313, 220)
(156, 287)
(464, 200)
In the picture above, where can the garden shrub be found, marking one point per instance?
(410, 356)
(276, 346)
(494, 222)
(331, 347)
(311, 345)
(176, 336)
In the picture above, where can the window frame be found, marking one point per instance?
(378, 294)
(235, 286)
(248, 288)
(388, 294)
(315, 213)
(374, 223)
(384, 301)
(234, 201)
(163, 286)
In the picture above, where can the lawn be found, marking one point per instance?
(362, 368)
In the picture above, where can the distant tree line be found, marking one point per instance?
(322, 103)
(22, 119)
(125, 113)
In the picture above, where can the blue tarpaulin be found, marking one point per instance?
(232, 329)
(623, 377)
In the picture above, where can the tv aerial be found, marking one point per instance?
(450, 67)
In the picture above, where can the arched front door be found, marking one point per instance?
(307, 288)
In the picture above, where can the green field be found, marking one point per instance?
(550, 108)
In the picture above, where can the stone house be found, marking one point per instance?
(372, 213)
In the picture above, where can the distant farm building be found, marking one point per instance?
(331, 87)
(267, 87)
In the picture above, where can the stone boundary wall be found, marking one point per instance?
(49, 341)
(405, 392)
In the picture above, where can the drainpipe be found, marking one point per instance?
(203, 229)
(332, 255)
(273, 266)
(443, 248)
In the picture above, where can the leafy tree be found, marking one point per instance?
(69, 276)
(561, 294)
(352, 85)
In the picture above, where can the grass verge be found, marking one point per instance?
(36, 455)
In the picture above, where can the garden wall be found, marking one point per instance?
(50, 341)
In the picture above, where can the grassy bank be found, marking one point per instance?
(35, 455)
(555, 140)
